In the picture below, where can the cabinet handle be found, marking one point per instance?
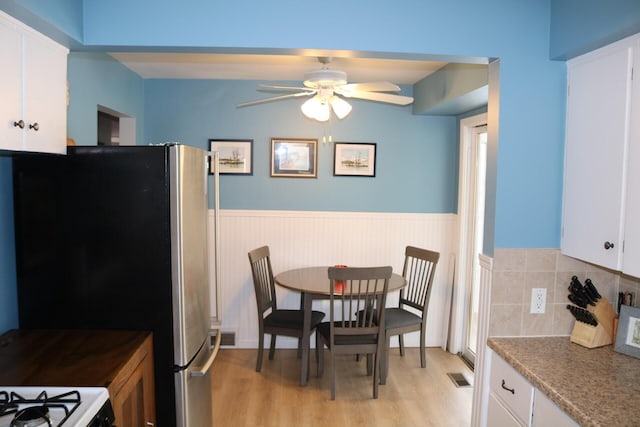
(513, 391)
(149, 423)
(608, 245)
(35, 126)
(19, 124)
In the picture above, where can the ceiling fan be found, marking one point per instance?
(325, 85)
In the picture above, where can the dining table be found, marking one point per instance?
(313, 283)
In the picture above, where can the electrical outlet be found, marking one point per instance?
(538, 300)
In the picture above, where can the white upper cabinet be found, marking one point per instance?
(631, 260)
(598, 136)
(33, 83)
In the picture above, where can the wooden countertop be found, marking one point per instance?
(596, 387)
(70, 357)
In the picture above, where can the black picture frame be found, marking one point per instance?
(236, 156)
(354, 159)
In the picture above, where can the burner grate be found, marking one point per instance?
(6, 406)
(38, 412)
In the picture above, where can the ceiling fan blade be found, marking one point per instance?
(372, 87)
(381, 97)
(274, 98)
(288, 87)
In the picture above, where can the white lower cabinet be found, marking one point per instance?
(546, 413)
(514, 401)
(512, 393)
(498, 415)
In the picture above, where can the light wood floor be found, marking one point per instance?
(412, 396)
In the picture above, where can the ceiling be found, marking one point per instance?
(224, 66)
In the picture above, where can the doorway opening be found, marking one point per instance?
(473, 166)
(115, 128)
(108, 129)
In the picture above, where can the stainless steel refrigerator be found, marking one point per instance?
(116, 238)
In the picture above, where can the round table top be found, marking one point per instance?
(315, 280)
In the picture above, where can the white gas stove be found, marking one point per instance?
(55, 406)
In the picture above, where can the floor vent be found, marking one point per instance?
(459, 380)
(228, 338)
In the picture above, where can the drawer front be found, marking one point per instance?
(498, 416)
(511, 388)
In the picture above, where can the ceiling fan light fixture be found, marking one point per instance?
(325, 77)
(341, 107)
(315, 109)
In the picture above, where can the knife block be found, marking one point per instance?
(600, 335)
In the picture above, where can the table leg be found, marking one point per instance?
(306, 338)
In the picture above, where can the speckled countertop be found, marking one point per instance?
(596, 387)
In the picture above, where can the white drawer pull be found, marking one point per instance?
(513, 391)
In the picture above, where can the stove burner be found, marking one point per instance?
(31, 417)
(34, 412)
(6, 406)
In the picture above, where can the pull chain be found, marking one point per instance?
(326, 138)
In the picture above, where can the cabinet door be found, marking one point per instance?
(132, 404)
(498, 416)
(45, 95)
(596, 140)
(631, 260)
(10, 86)
(546, 413)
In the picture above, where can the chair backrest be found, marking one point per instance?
(357, 290)
(419, 269)
(263, 280)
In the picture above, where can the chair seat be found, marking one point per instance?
(325, 330)
(399, 318)
(291, 319)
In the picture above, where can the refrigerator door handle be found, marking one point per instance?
(202, 371)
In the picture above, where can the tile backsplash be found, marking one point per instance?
(517, 271)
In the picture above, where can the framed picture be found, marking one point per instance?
(628, 336)
(354, 159)
(236, 156)
(294, 157)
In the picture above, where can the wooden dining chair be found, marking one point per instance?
(352, 289)
(411, 313)
(271, 319)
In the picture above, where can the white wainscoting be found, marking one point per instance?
(301, 238)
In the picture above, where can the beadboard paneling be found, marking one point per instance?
(301, 238)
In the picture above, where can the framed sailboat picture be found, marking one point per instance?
(354, 159)
(236, 156)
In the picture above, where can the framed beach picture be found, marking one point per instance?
(295, 158)
(354, 159)
(236, 156)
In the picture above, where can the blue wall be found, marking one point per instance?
(8, 293)
(417, 156)
(579, 26)
(98, 79)
(61, 19)
(528, 191)
(531, 96)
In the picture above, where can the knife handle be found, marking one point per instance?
(577, 300)
(589, 284)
